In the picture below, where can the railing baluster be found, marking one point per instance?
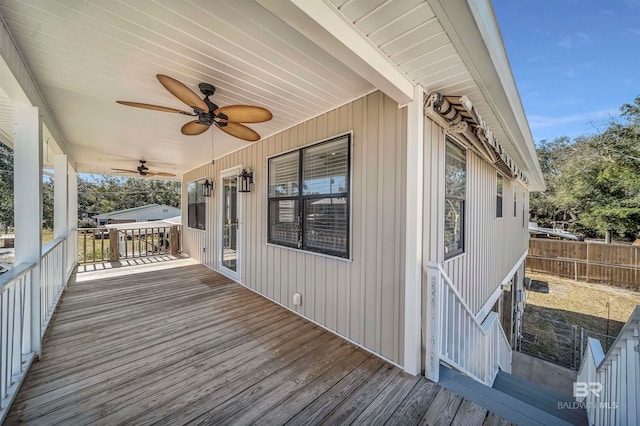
(619, 374)
(478, 349)
(16, 319)
(136, 243)
(4, 342)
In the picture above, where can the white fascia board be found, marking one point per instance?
(328, 29)
(474, 32)
(17, 82)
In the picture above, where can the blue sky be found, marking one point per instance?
(575, 61)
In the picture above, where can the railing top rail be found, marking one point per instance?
(628, 328)
(53, 244)
(50, 246)
(447, 280)
(14, 274)
(582, 243)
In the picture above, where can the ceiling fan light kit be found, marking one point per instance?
(228, 118)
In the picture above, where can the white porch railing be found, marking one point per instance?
(15, 331)
(608, 386)
(56, 267)
(18, 313)
(477, 349)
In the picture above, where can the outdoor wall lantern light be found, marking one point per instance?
(246, 180)
(207, 187)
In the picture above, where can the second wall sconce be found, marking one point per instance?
(207, 188)
(246, 180)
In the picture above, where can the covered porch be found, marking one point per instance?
(174, 342)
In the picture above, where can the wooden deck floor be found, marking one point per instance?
(186, 345)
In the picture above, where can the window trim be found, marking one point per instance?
(515, 200)
(499, 196)
(198, 181)
(301, 198)
(523, 208)
(463, 233)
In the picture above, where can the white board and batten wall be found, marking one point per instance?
(362, 298)
(492, 246)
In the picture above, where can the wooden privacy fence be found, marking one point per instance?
(615, 264)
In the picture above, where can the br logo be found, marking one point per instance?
(583, 389)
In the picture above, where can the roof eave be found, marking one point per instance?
(473, 30)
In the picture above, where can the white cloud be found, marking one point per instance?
(538, 58)
(542, 121)
(574, 40)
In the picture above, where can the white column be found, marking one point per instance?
(413, 237)
(60, 197)
(28, 205)
(432, 322)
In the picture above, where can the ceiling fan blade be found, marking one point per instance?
(182, 92)
(154, 173)
(239, 131)
(193, 128)
(153, 107)
(245, 113)
(125, 171)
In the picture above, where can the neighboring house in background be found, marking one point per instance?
(146, 213)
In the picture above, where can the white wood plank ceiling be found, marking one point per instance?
(86, 54)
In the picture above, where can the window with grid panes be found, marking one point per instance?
(309, 198)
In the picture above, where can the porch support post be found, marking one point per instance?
(174, 240)
(28, 208)
(114, 247)
(432, 322)
(413, 237)
(60, 197)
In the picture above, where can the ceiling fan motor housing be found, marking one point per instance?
(207, 89)
(208, 118)
(142, 168)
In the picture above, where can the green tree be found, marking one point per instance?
(47, 203)
(547, 207)
(6, 187)
(594, 181)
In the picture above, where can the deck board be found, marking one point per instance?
(187, 345)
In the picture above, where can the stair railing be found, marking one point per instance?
(477, 349)
(608, 385)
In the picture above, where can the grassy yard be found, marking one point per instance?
(47, 237)
(584, 304)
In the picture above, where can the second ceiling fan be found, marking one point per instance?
(143, 170)
(226, 118)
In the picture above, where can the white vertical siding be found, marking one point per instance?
(492, 246)
(361, 299)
